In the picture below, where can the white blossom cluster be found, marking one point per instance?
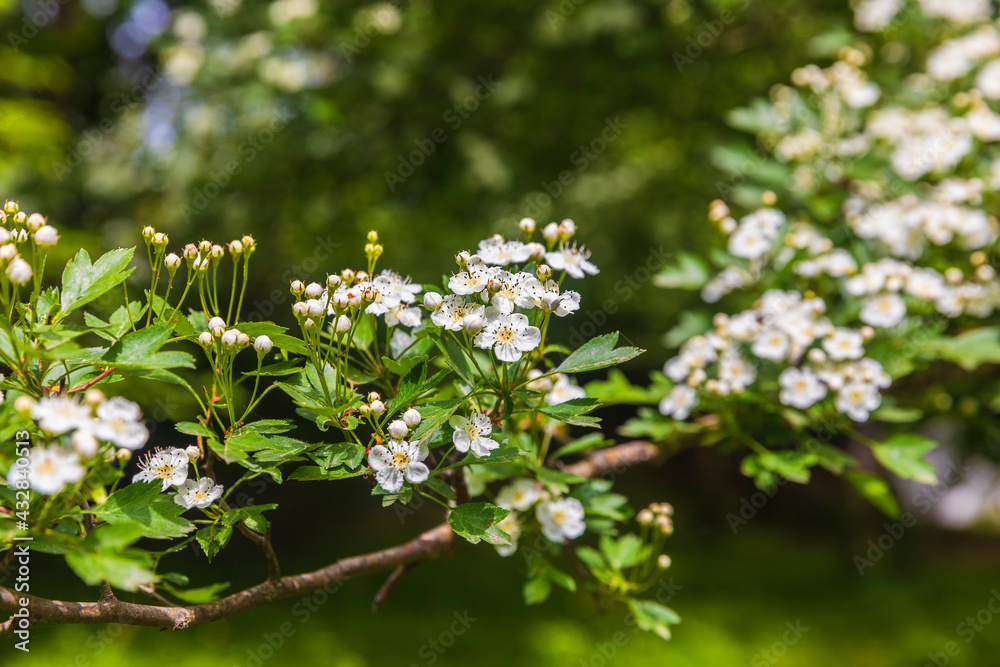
(170, 467)
(785, 336)
(78, 432)
(560, 518)
(920, 169)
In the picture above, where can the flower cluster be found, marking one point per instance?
(560, 519)
(25, 233)
(77, 433)
(170, 467)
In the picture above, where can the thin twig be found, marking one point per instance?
(390, 583)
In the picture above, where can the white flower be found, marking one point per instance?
(48, 471)
(519, 495)
(883, 310)
(473, 432)
(749, 243)
(19, 271)
(564, 390)
(510, 525)
(397, 429)
(167, 465)
(679, 402)
(216, 323)
(408, 316)
(84, 442)
(507, 290)
(59, 414)
(509, 335)
(844, 344)
(772, 344)
(398, 460)
(800, 388)
(432, 300)
(198, 493)
(547, 297)
(497, 251)
(857, 400)
(561, 519)
(118, 423)
(453, 311)
(735, 371)
(46, 236)
(574, 261)
(471, 281)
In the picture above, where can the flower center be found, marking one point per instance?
(399, 460)
(559, 517)
(165, 471)
(505, 335)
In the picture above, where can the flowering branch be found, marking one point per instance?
(401, 558)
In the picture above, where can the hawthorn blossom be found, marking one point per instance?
(548, 297)
(884, 310)
(170, 466)
(118, 422)
(573, 260)
(59, 414)
(398, 460)
(49, 470)
(800, 388)
(679, 403)
(509, 335)
(198, 493)
(564, 390)
(511, 525)
(561, 519)
(473, 432)
(453, 311)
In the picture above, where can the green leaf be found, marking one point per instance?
(317, 473)
(341, 453)
(689, 273)
(138, 350)
(653, 616)
(580, 445)
(200, 595)
(440, 487)
(623, 552)
(102, 559)
(192, 428)
(597, 353)
(573, 411)
(903, 454)
(83, 282)
(433, 416)
(457, 359)
(141, 505)
(411, 386)
(968, 350)
(250, 515)
(876, 490)
(213, 539)
(477, 521)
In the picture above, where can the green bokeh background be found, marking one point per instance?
(323, 177)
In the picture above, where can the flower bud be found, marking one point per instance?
(84, 443)
(242, 340)
(8, 252)
(527, 226)
(230, 338)
(473, 324)
(22, 236)
(205, 246)
(216, 323)
(663, 562)
(314, 290)
(866, 332)
(398, 430)
(147, 233)
(190, 252)
(332, 280)
(262, 344)
(551, 232)
(347, 275)
(315, 308)
(19, 271)
(4, 236)
(172, 262)
(249, 245)
(24, 404)
(566, 229)
(10, 207)
(433, 300)
(46, 236)
(377, 407)
(93, 397)
(35, 222)
(364, 409)
(310, 323)
(361, 276)
(372, 236)
(645, 517)
(297, 287)
(217, 252)
(374, 396)
(205, 339)
(411, 417)
(300, 309)
(343, 324)
(193, 453)
(123, 455)
(20, 218)
(160, 239)
(544, 272)
(236, 248)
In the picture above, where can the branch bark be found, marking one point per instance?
(399, 558)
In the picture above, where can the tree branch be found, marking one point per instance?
(400, 558)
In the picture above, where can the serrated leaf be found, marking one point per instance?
(597, 353)
(141, 505)
(84, 282)
(903, 454)
(139, 350)
(477, 521)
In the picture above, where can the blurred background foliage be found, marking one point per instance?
(115, 115)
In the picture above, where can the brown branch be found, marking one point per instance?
(265, 545)
(426, 546)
